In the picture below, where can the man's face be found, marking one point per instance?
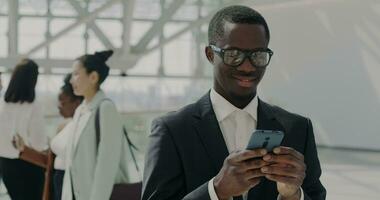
(240, 81)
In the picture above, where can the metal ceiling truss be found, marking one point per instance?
(81, 20)
(127, 55)
(82, 12)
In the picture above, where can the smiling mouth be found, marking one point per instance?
(245, 81)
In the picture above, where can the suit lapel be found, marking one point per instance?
(266, 118)
(82, 120)
(208, 130)
(266, 121)
(81, 125)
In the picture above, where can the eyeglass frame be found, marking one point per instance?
(247, 54)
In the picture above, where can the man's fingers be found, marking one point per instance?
(255, 163)
(288, 150)
(283, 179)
(283, 171)
(245, 155)
(285, 160)
(251, 174)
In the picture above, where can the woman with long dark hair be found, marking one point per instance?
(21, 115)
(54, 160)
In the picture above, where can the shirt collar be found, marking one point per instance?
(99, 96)
(224, 108)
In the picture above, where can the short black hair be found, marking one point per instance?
(67, 89)
(234, 14)
(21, 88)
(97, 62)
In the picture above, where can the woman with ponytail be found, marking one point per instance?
(94, 154)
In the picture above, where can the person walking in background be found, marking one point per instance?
(93, 164)
(68, 103)
(21, 114)
(54, 160)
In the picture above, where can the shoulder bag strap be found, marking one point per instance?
(131, 146)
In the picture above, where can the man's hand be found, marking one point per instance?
(239, 173)
(287, 170)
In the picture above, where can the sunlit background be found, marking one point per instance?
(326, 66)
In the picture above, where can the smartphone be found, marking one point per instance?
(265, 139)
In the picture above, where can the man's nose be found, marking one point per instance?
(246, 66)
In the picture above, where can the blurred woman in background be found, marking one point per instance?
(68, 103)
(21, 115)
(54, 160)
(98, 144)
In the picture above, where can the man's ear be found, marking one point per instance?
(209, 54)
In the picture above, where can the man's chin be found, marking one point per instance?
(244, 92)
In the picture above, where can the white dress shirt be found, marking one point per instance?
(58, 145)
(25, 119)
(236, 125)
(81, 116)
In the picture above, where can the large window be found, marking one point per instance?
(3, 36)
(41, 23)
(70, 45)
(31, 33)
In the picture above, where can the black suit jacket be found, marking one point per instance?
(187, 150)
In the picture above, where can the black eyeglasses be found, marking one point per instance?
(234, 57)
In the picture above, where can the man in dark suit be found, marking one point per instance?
(199, 151)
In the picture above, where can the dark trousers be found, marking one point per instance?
(57, 183)
(23, 180)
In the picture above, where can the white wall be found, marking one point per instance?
(326, 66)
